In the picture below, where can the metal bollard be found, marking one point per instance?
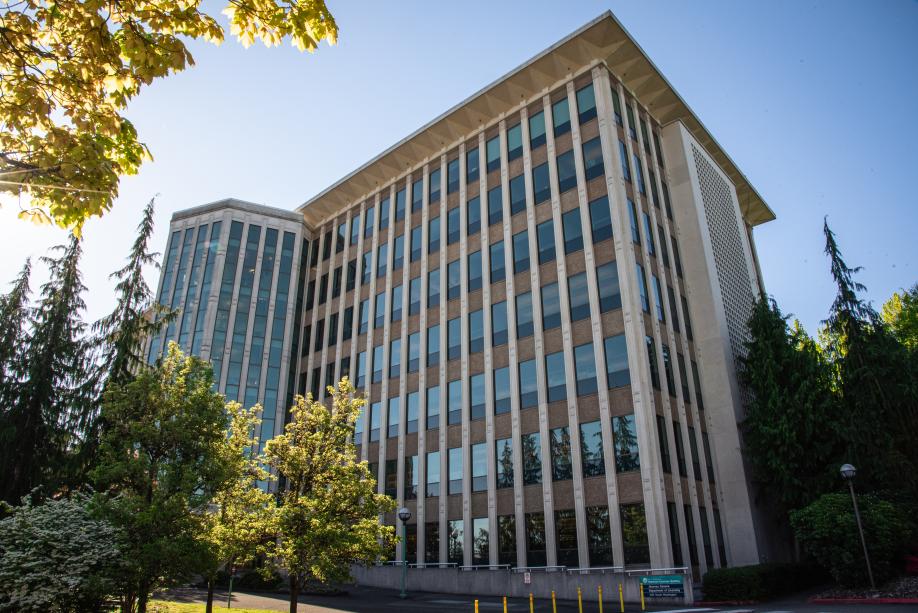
(600, 599)
(505, 604)
(642, 597)
(476, 606)
(554, 605)
(531, 604)
(579, 600)
(621, 598)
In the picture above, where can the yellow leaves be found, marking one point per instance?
(37, 216)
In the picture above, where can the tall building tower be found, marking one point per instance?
(543, 293)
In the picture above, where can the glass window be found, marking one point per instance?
(591, 449)
(551, 307)
(476, 331)
(668, 369)
(481, 548)
(592, 159)
(366, 268)
(454, 402)
(397, 303)
(567, 172)
(706, 445)
(326, 245)
(452, 176)
(680, 449)
(384, 213)
(616, 106)
(579, 296)
(535, 539)
(674, 536)
(529, 394)
(652, 357)
(411, 481)
(690, 532)
(617, 374)
(336, 283)
(495, 205)
(452, 226)
(586, 103)
(626, 444)
(453, 339)
(351, 281)
(417, 195)
(380, 312)
(706, 537)
(398, 252)
(368, 222)
(433, 474)
(477, 396)
(499, 323)
(585, 366)
(471, 165)
(631, 121)
(607, 281)
(474, 263)
(654, 193)
(434, 187)
(378, 363)
(348, 325)
(414, 351)
(599, 536)
(375, 420)
(414, 296)
(504, 457)
(492, 151)
(665, 459)
(573, 231)
(432, 536)
(514, 142)
(394, 413)
(395, 357)
(697, 381)
(320, 335)
(566, 533)
(433, 409)
(323, 289)
(473, 216)
(456, 536)
(600, 219)
(642, 288)
(634, 534)
(693, 448)
(561, 117)
(502, 390)
(666, 202)
(648, 232)
(524, 321)
(411, 422)
(639, 173)
(632, 216)
(433, 345)
(554, 373)
(416, 245)
(455, 470)
(531, 448)
(541, 183)
(479, 467)
(400, 201)
(657, 298)
(521, 252)
(623, 153)
(361, 369)
(433, 288)
(517, 194)
(453, 279)
(545, 235)
(433, 235)
(382, 257)
(355, 229)
(560, 449)
(332, 330)
(537, 130)
(341, 237)
(498, 265)
(664, 252)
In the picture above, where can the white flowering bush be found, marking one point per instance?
(57, 557)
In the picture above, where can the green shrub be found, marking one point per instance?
(759, 581)
(827, 530)
(256, 580)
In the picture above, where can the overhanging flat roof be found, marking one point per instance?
(603, 39)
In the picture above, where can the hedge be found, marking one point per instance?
(759, 581)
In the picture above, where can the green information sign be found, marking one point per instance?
(663, 586)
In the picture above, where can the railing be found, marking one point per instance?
(679, 570)
(485, 567)
(538, 569)
(602, 570)
(434, 565)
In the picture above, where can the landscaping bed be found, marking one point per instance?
(904, 589)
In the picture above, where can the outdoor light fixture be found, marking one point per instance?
(848, 472)
(404, 514)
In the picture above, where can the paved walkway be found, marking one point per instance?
(372, 600)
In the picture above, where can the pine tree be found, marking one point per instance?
(13, 318)
(48, 413)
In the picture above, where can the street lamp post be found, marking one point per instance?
(404, 514)
(847, 473)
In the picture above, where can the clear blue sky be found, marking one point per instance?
(815, 102)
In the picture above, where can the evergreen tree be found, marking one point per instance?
(900, 313)
(792, 441)
(14, 315)
(47, 415)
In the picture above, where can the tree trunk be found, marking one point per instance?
(209, 607)
(294, 592)
(142, 601)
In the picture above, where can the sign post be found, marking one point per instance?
(663, 586)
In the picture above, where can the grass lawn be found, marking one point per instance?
(163, 606)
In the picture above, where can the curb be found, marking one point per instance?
(862, 600)
(721, 603)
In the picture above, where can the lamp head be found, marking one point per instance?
(404, 514)
(847, 472)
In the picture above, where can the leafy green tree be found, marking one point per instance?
(328, 517)
(240, 521)
(70, 68)
(14, 314)
(790, 434)
(58, 556)
(900, 313)
(161, 462)
(827, 529)
(46, 418)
